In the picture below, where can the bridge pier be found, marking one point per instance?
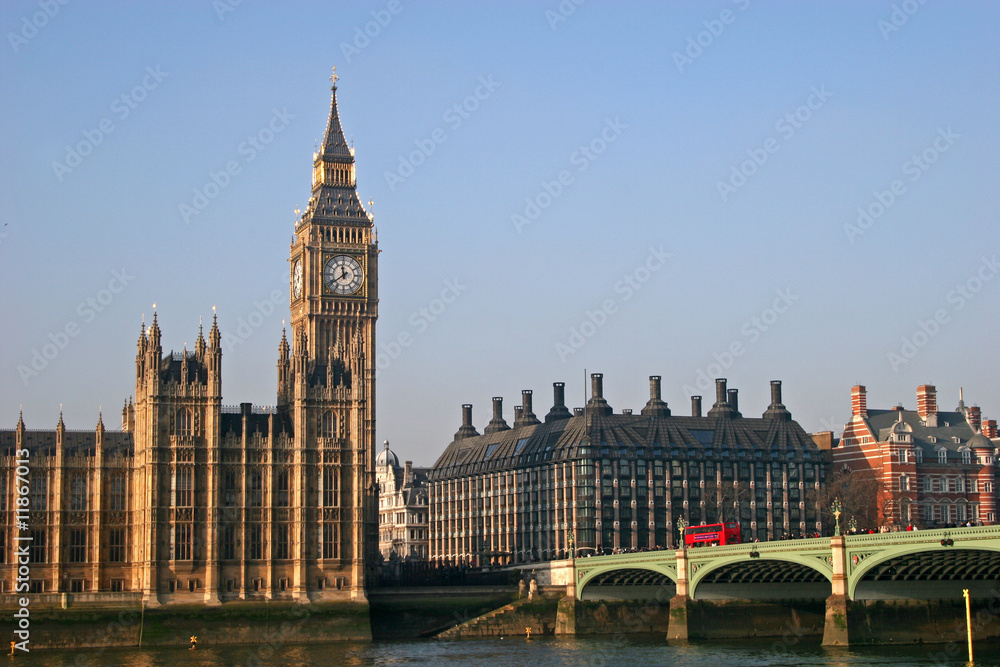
(566, 616)
(678, 626)
(835, 626)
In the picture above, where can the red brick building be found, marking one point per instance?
(936, 468)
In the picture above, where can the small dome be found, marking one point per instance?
(386, 457)
(980, 441)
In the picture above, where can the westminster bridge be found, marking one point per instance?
(896, 566)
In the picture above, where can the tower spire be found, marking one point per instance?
(334, 144)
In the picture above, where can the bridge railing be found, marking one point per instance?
(903, 536)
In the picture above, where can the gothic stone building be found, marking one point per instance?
(193, 501)
(935, 467)
(403, 513)
(591, 480)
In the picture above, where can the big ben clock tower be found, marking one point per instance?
(326, 378)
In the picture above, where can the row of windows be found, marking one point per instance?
(76, 549)
(38, 493)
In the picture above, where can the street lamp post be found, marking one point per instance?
(837, 508)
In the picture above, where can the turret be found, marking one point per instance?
(199, 345)
(284, 370)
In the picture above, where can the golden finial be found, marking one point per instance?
(334, 77)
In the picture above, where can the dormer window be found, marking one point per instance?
(942, 455)
(918, 455)
(966, 455)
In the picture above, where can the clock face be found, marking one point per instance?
(343, 275)
(297, 279)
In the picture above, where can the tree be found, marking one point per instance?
(861, 497)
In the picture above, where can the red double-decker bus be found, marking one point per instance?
(712, 535)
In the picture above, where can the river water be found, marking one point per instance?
(632, 651)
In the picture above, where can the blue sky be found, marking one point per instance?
(627, 188)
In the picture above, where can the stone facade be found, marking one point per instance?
(403, 512)
(194, 501)
(592, 480)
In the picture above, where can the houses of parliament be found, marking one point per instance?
(196, 501)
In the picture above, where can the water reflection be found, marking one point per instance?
(611, 651)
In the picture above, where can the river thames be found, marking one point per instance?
(632, 651)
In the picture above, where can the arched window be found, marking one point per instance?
(78, 492)
(327, 425)
(185, 422)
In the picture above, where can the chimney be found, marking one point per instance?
(721, 407)
(597, 403)
(408, 473)
(524, 416)
(467, 430)
(497, 423)
(975, 417)
(696, 406)
(577, 412)
(990, 428)
(559, 409)
(734, 400)
(927, 404)
(777, 410)
(859, 401)
(655, 406)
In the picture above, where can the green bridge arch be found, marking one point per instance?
(869, 561)
(701, 571)
(640, 561)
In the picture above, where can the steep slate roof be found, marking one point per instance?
(621, 434)
(881, 423)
